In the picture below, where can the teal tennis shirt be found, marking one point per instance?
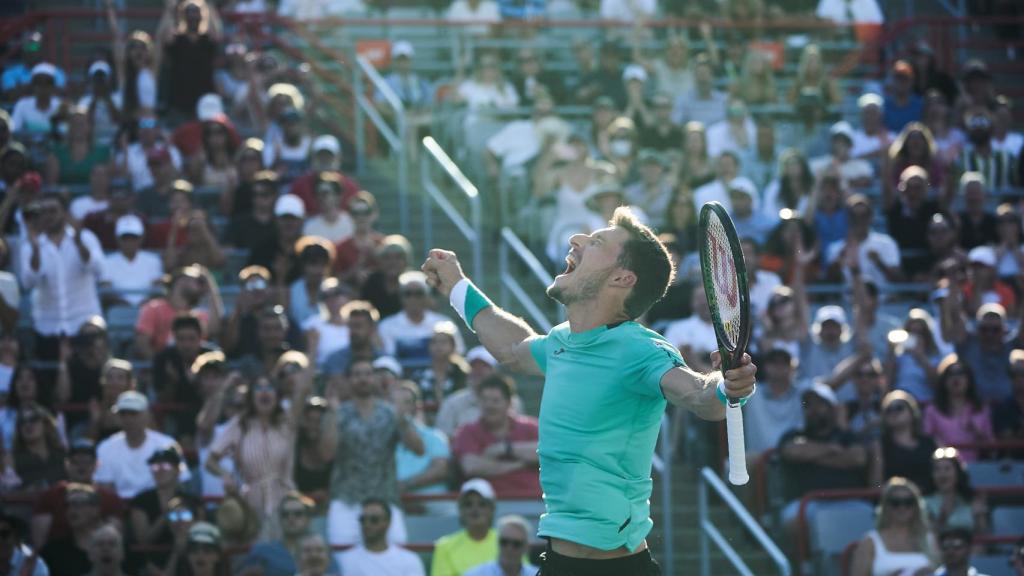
(599, 420)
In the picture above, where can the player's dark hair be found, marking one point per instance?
(646, 257)
(504, 384)
(185, 322)
(379, 503)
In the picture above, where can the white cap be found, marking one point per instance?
(328, 143)
(129, 224)
(480, 486)
(830, 313)
(131, 401)
(842, 128)
(290, 205)
(390, 364)
(870, 99)
(402, 48)
(982, 255)
(99, 66)
(44, 68)
(480, 353)
(824, 392)
(634, 72)
(744, 185)
(209, 107)
(413, 277)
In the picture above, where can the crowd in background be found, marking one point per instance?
(289, 380)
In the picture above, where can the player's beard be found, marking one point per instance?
(587, 289)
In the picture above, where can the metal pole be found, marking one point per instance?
(357, 84)
(666, 495)
(428, 229)
(503, 269)
(403, 172)
(702, 516)
(478, 250)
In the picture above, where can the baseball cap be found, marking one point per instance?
(209, 107)
(634, 72)
(842, 128)
(131, 401)
(830, 313)
(290, 205)
(975, 68)
(129, 224)
(480, 353)
(870, 99)
(44, 69)
(204, 533)
(478, 485)
(209, 360)
(168, 454)
(402, 48)
(388, 363)
(822, 391)
(982, 255)
(98, 67)
(744, 185)
(327, 143)
(413, 277)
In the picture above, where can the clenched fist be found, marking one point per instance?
(443, 270)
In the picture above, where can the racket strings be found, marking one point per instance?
(724, 279)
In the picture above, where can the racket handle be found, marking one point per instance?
(737, 451)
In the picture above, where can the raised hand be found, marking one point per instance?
(443, 270)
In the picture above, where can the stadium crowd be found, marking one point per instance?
(288, 380)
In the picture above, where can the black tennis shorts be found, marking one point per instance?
(639, 564)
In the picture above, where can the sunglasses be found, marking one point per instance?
(371, 519)
(295, 513)
(184, 515)
(954, 545)
(147, 123)
(901, 502)
(158, 466)
(511, 543)
(361, 212)
(894, 408)
(956, 371)
(263, 388)
(414, 293)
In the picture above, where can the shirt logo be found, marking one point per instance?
(559, 352)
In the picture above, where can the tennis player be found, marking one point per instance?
(607, 379)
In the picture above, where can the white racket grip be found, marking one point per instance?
(737, 451)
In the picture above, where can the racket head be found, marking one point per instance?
(724, 275)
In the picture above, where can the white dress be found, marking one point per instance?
(887, 562)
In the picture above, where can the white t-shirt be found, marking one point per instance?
(865, 144)
(479, 96)
(85, 205)
(1011, 143)
(137, 274)
(852, 169)
(341, 229)
(712, 191)
(278, 149)
(332, 337)
(515, 144)
(761, 291)
(847, 11)
(145, 83)
(27, 118)
(10, 291)
(394, 561)
(405, 340)
(720, 138)
(126, 468)
(883, 244)
(486, 11)
(212, 485)
(693, 332)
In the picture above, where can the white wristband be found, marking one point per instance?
(457, 297)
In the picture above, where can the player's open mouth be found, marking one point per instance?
(570, 264)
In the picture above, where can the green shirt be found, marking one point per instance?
(599, 422)
(456, 553)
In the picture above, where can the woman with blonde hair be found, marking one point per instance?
(756, 83)
(696, 169)
(902, 541)
(911, 364)
(914, 146)
(811, 74)
(135, 62)
(902, 449)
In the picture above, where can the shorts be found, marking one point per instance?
(639, 564)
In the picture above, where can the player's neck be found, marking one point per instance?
(585, 316)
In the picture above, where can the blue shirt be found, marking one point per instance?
(409, 464)
(599, 420)
(896, 116)
(274, 559)
(21, 75)
(521, 9)
(412, 90)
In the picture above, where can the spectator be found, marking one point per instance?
(827, 345)
(333, 223)
(71, 160)
(780, 406)
(977, 86)
(312, 473)
(481, 14)
(485, 92)
(901, 523)
(316, 257)
(190, 35)
(38, 452)
(985, 350)
(324, 166)
(945, 256)
(703, 103)
(518, 143)
(190, 137)
(949, 139)
(569, 175)
(190, 240)
(853, 171)
(153, 511)
(224, 398)
(50, 514)
(375, 555)
(214, 165)
(173, 381)
(983, 285)
(103, 222)
(249, 160)
(261, 439)
(997, 167)
(977, 225)
(124, 457)
(756, 82)
(653, 191)
(501, 446)
(763, 161)
(873, 254)
(407, 334)
(908, 218)
(914, 147)
(750, 222)
(784, 323)
(681, 221)
(116, 376)
(513, 540)
(1003, 137)
(477, 542)
(151, 150)
(811, 75)
(958, 415)
(106, 551)
(382, 287)
(737, 133)
(255, 230)
(33, 114)
(903, 450)
(863, 414)
(289, 154)
(326, 331)
(356, 258)
(657, 132)
(727, 169)
(314, 559)
(198, 551)
(793, 186)
(17, 77)
(280, 557)
(155, 199)
(694, 335)
(1008, 414)
(954, 504)
(153, 330)
(603, 80)
(60, 265)
(819, 455)
(239, 338)
(135, 64)
(132, 272)
(70, 555)
(1009, 257)
(99, 193)
(447, 370)
(15, 555)
(277, 253)
(902, 106)
(463, 406)
(360, 317)
(871, 139)
(427, 473)
(272, 328)
(672, 71)
(696, 169)
(955, 545)
(387, 372)
(531, 76)
(361, 435)
(912, 362)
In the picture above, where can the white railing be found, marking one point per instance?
(470, 229)
(510, 285)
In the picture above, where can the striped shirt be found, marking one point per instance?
(999, 167)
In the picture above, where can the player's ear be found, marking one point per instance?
(623, 278)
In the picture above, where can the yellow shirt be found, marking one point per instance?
(456, 553)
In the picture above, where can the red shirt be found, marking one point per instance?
(155, 319)
(1007, 298)
(349, 256)
(52, 502)
(188, 138)
(303, 187)
(475, 438)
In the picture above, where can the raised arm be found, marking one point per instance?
(698, 392)
(505, 336)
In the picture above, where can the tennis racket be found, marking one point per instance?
(724, 274)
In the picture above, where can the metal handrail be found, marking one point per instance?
(471, 230)
(663, 465)
(395, 138)
(708, 530)
(510, 285)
